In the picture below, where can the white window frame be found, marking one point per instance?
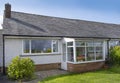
(30, 53)
(73, 47)
(52, 46)
(74, 50)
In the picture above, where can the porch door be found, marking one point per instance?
(64, 57)
(67, 50)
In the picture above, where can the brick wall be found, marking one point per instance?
(47, 66)
(83, 67)
(41, 67)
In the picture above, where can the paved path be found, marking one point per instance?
(40, 76)
(44, 74)
(4, 79)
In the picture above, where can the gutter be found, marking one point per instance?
(59, 36)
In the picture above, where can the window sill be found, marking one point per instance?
(45, 54)
(85, 62)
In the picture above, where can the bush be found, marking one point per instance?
(21, 68)
(115, 55)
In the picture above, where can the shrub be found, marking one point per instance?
(21, 68)
(115, 55)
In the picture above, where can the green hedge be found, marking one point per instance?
(21, 68)
(115, 55)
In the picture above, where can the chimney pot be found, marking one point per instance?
(7, 10)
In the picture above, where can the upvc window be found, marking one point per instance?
(80, 50)
(55, 46)
(37, 46)
(70, 51)
(99, 50)
(89, 50)
(26, 46)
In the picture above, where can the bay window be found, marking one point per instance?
(40, 46)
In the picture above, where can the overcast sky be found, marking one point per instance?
(107, 11)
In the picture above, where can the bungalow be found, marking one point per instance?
(56, 43)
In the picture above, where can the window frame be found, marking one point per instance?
(94, 45)
(53, 47)
(30, 53)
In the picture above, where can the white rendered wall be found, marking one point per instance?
(13, 47)
(46, 59)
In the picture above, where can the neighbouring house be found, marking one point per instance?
(56, 43)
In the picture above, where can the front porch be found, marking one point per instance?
(81, 55)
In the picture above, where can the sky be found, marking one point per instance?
(107, 11)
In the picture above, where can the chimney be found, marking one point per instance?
(7, 10)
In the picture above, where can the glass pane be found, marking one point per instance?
(98, 49)
(99, 56)
(79, 43)
(70, 54)
(99, 53)
(80, 53)
(90, 43)
(98, 43)
(26, 46)
(41, 46)
(55, 46)
(90, 54)
(70, 44)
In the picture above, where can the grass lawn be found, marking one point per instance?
(111, 75)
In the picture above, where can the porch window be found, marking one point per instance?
(89, 51)
(40, 46)
(80, 51)
(99, 50)
(85, 51)
(70, 51)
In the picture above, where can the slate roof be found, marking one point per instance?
(38, 25)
